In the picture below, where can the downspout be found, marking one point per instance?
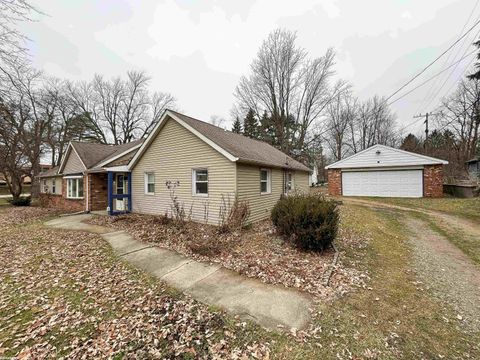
(87, 187)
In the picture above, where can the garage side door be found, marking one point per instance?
(392, 183)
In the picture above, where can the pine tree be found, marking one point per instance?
(237, 126)
(476, 74)
(250, 125)
(268, 130)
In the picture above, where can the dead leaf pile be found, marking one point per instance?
(22, 214)
(63, 294)
(256, 252)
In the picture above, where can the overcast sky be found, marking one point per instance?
(197, 50)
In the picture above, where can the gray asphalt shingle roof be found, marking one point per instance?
(92, 154)
(244, 148)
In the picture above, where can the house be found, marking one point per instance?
(202, 166)
(473, 167)
(386, 172)
(26, 179)
(81, 182)
(209, 168)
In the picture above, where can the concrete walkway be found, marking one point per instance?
(268, 305)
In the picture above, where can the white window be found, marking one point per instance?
(75, 188)
(200, 182)
(289, 182)
(265, 181)
(45, 188)
(150, 183)
(54, 181)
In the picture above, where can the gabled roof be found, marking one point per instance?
(121, 151)
(473, 160)
(234, 147)
(94, 155)
(378, 156)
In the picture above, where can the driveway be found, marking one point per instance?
(442, 268)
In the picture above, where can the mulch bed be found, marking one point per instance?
(64, 294)
(256, 252)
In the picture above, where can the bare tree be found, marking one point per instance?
(341, 114)
(461, 115)
(374, 124)
(117, 110)
(159, 102)
(12, 41)
(13, 160)
(31, 109)
(217, 121)
(288, 86)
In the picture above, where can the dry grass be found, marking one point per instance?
(467, 208)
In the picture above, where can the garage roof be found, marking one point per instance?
(379, 156)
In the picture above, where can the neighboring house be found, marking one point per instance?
(386, 172)
(91, 177)
(473, 167)
(210, 168)
(26, 180)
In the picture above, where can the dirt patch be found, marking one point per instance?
(446, 271)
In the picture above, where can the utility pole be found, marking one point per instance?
(426, 115)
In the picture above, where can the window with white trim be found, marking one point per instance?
(150, 183)
(200, 182)
(265, 181)
(75, 188)
(289, 181)
(54, 183)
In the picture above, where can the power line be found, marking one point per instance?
(408, 93)
(430, 92)
(431, 78)
(434, 61)
(463, 72)
(408, 125)
(450, 74)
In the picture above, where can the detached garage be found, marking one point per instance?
(383, 171)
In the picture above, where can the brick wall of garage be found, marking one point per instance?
(334, 182)
(433, 181)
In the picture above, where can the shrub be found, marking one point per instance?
(309, 221)
(21, 201)
(233, 217)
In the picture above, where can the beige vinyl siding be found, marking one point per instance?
(47, 189)
(73, 164)
(172, 156)
(248, 187)
(301, 182)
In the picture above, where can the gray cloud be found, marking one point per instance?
(197, 50)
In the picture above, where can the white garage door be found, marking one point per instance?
(391, 183)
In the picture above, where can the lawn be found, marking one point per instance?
(64, 293)
(5, 191)
(467, 208)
